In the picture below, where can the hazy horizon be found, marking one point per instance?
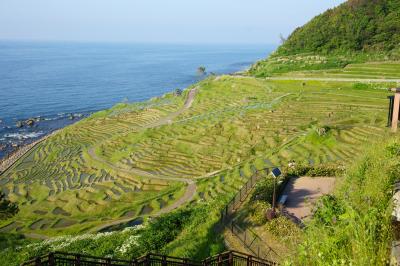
(155, 21)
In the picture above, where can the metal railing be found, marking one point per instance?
(234, 258)
(243, 193)
(67, 259)
(249, 239)
(254, 243)
(229, 258)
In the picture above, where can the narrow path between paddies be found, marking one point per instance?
(191, 185)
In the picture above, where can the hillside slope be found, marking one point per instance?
(355, 31)
(356, 25)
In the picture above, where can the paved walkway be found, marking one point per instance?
(303, 192)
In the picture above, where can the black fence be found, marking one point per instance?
(242, 194)
(229, 258)
(249, 239)
(254, 243)
(68, 259)
(234, 258)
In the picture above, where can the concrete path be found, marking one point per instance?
(303, 192)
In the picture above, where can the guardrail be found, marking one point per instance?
(234, 258)
(242, 194)
(229, 258)
(248, 238)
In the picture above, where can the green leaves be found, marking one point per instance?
(7, 208)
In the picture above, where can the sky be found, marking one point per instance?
(156, 21)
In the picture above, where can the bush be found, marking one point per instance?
(163, 230)
(329, 209)
(284, 230)
(316, 170)
(263, 190)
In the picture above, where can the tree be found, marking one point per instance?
(201, 70)
(178, 92)
(7, 208)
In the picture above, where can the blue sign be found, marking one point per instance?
(276, 172)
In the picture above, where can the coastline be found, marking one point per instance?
(10, 159)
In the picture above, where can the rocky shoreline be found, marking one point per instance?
(10, 159)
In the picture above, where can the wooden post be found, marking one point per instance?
(396, 106)
(78, 260)
(230, 263)
(249, 259)
(395, 116)
(38, 261)
(51, 259)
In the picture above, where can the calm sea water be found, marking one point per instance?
(54, 80)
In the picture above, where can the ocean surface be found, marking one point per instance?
(56, 84)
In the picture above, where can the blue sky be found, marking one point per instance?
(169, 21)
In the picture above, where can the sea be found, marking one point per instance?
(54, 84)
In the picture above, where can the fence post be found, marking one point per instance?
(38, 261)
(147, 260)
(219, 260)
(51, 259)
(108, 262)
(164, 261)
(249, 260)
(78, 259)
(230, 260)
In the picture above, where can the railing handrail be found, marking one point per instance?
(229, 256)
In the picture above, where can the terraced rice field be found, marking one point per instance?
(127, 162)
(373, 70)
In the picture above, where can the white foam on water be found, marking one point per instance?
(22, 136)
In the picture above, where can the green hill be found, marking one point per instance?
(355, 31)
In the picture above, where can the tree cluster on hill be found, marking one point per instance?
(357, 31)
(356, 25)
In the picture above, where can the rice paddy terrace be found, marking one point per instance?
(136, 160)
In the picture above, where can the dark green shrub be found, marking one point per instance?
(263, 190)
(163, 230)
(316, 170)
(329, 210)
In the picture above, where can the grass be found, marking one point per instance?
(354, 226)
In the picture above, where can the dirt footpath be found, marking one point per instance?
(303, 192)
